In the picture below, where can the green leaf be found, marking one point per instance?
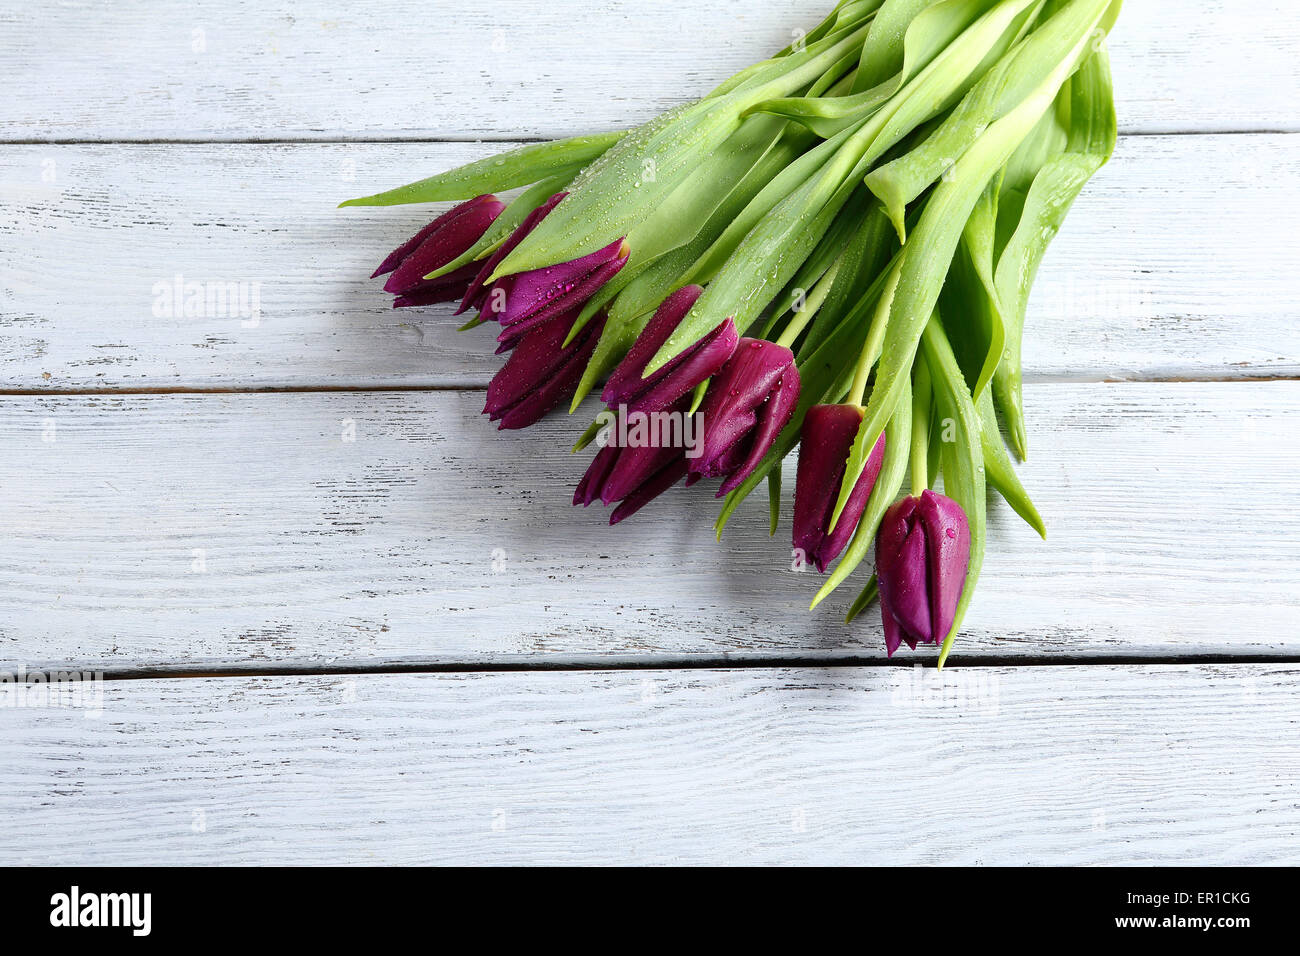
(978, 241)
(773, 250)
(845, 20)
(1001, 474)
(884, 51)
(587, 437)
(829, 116)
(1028, 64)
(519, 167)
(774, 499)
(760, 267)
(847, 13)
(684, 212)
(962, 459)
(924, 449)
(630, 181)
(780, 186)
(1088, 101)
(864, 257)
(928, 35)
(935, 453)
(864, 600)
(968, 299)
(860, 452)
(754, 156)
(979, 37)
(929, 251)
(847, 222)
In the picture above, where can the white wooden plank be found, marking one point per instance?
(189, 531)
(1178, 261)
(243, 69)
(1011, 766)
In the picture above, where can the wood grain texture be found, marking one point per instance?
(240, 69)
(1178, 261)
(368, 530)
(187, 531)
(1077, 765)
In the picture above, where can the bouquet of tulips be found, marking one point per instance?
(832, 250)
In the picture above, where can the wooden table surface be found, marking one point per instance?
(342, 620)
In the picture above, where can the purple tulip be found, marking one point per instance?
(922, 555)
(441, 241)
(748, 403)
(540, 373)
(632, 476)
(827, 439)
(525, 300)
(627, 386)
(476, 294)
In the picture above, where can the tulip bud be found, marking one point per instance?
(748, 403)
(476, 294)
(627, 386)
(525, 300)
(827, 438)
(632, 475)
(442, 241)
(540, 374)
(922, 555)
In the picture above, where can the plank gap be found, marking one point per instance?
(581, 664)
(1030, 379)
(504, 138)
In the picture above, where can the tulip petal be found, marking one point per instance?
(475, 295)
(947, 535)
(626, 381)
(828, 435)
(396, 257)
(721, 467)
(772, 419)
(533, 298)
(735, 396)
(893, 633)
(907, 584)
(633, 474)
(539, 374)
(455, 234)
(901, 567)
(748, 404)
(695, 366)
(636, 466)
(664, 479)
(594, 479)
(448, 288)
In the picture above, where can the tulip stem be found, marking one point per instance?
(922, 388)
(875, 336)
(811, 306)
